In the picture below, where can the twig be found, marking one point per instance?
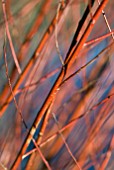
(40, 135)
(19, 111)
(107, 23)
(9, 37)
(56, 34)
(68, 61)
(66, 145)
(88, 63)
(98, 39)
(78, 29)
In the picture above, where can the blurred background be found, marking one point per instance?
(78, 125)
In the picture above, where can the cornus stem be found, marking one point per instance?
(60, 78)
(57, 115)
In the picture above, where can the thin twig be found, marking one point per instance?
(98, 39)
(9, 37)
(40, 135)
(107, 23)
(56, 33)
(66, 144)
(19, 111)
(88, 63)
